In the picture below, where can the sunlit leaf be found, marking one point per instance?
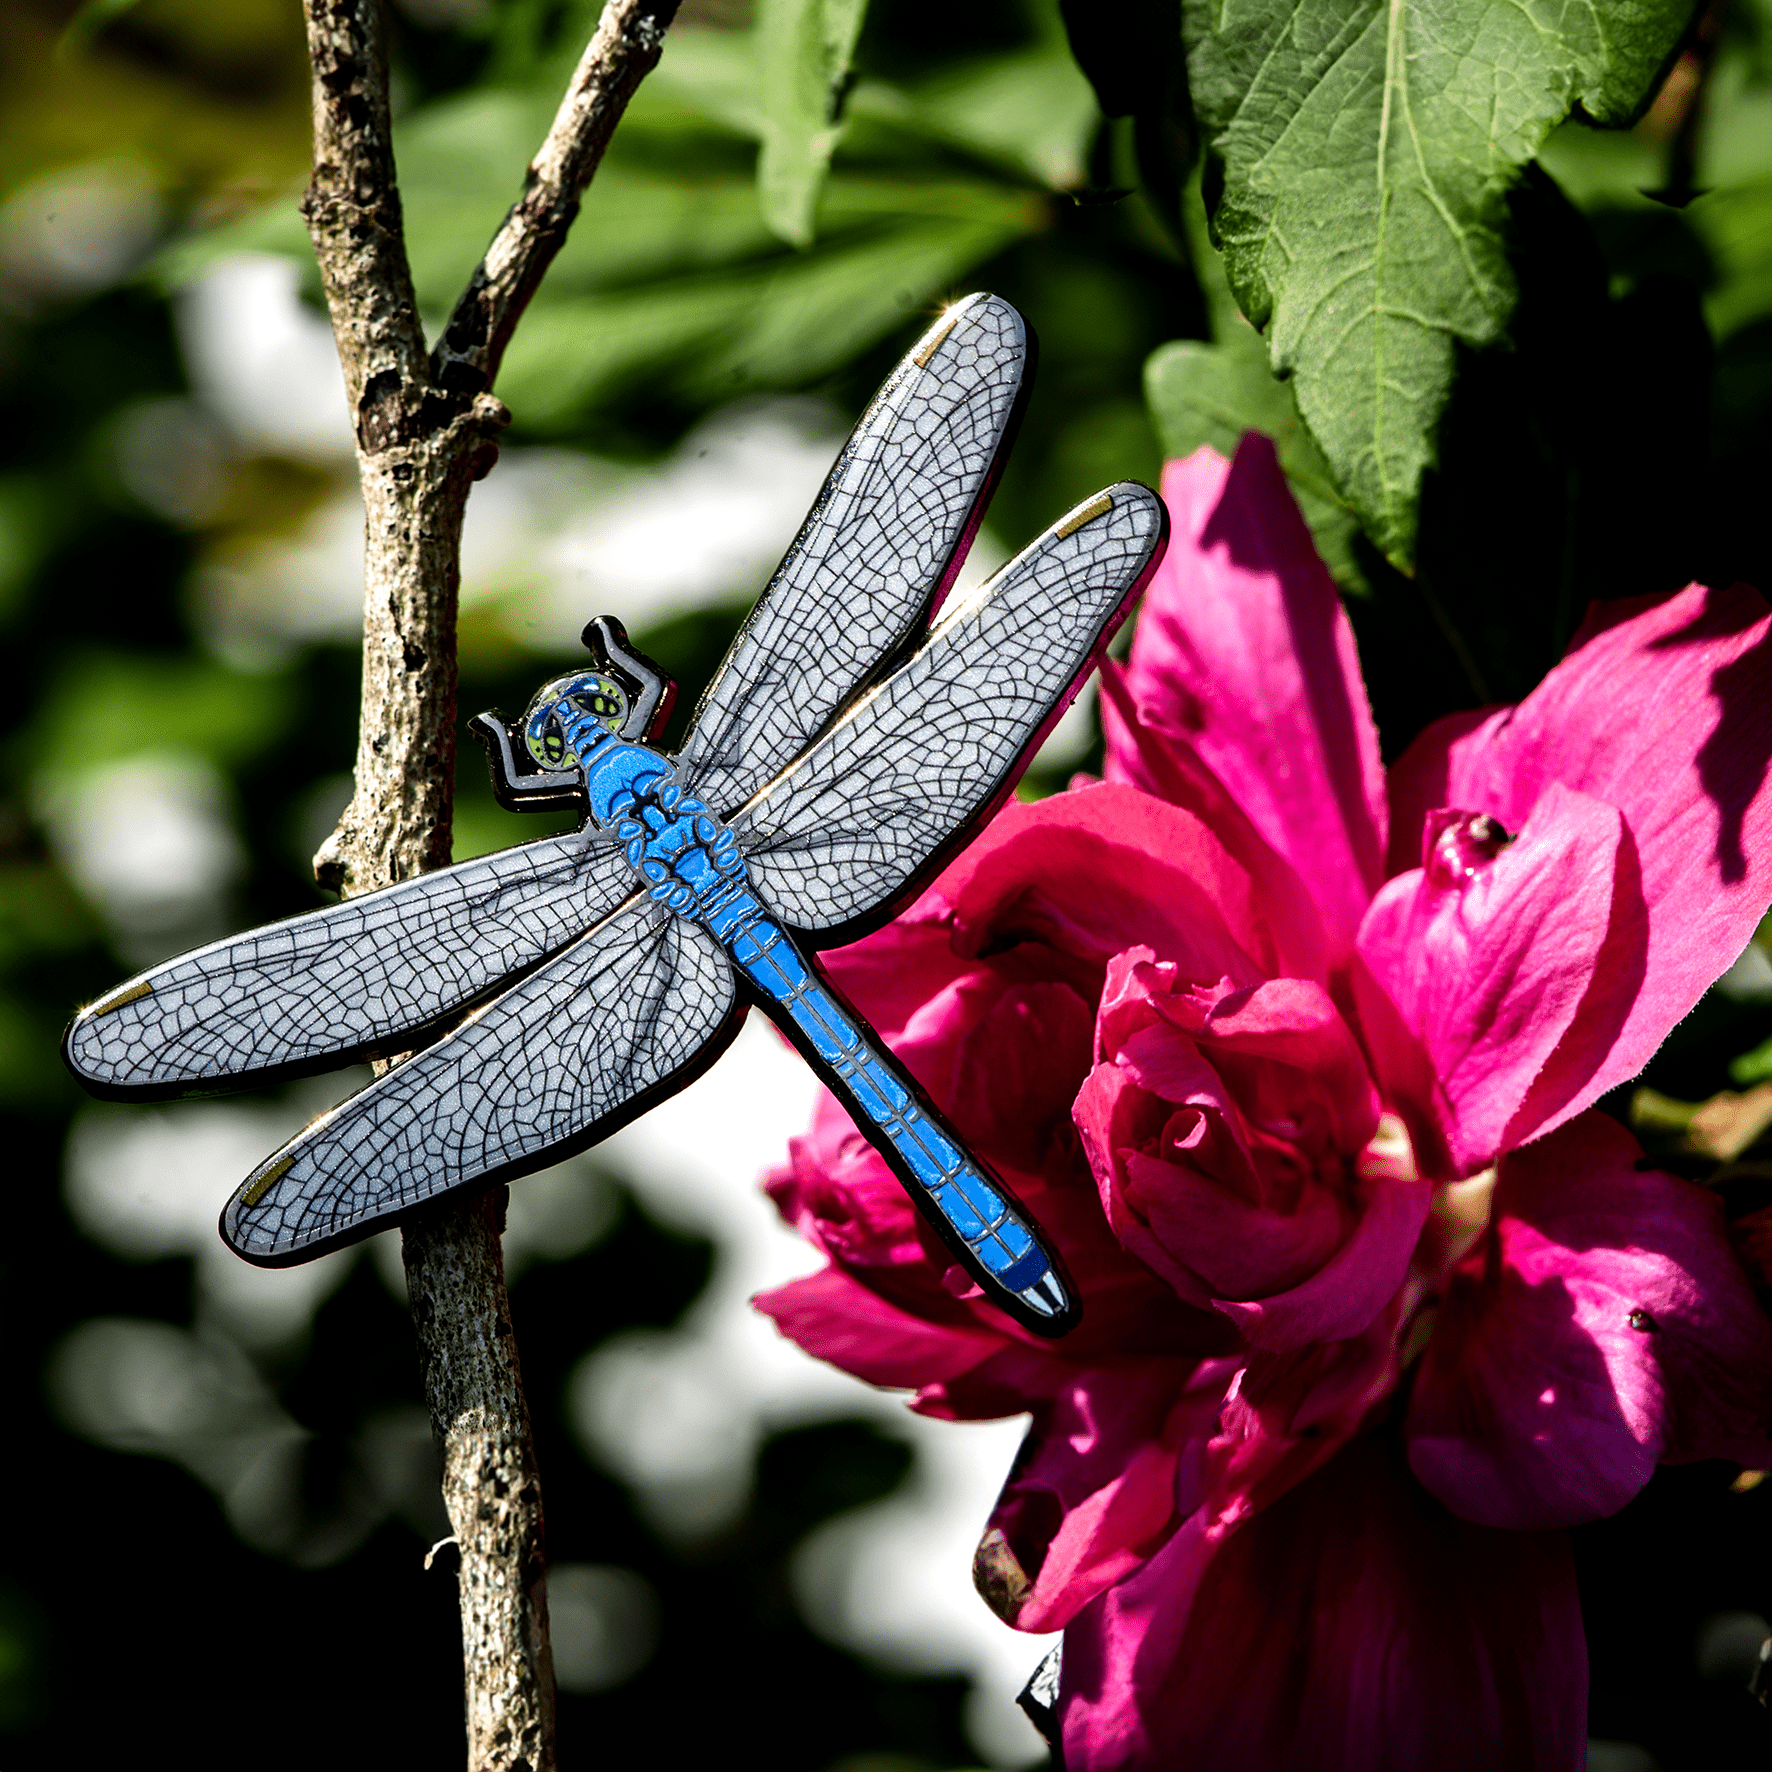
(804, 50)
(1202, 393)
(711, 75)
(1365, 151)
(1031, 110)
(1736, 225)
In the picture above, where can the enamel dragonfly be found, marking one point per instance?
(862, 728)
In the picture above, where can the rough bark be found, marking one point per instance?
(426, 429)
(491, 1487)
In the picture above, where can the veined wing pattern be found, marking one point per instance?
(574, 1050)
(846, 832)
(843, 751)
(877, 552)
(315, 991)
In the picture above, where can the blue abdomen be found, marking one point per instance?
(937, 1163)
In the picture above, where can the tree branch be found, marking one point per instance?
(425, 432)
(625, 49)
(352, 203)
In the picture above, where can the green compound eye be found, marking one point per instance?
(590, 693)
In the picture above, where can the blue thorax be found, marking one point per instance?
(684, 853)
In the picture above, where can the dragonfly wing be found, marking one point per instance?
(881, 801)
(626, 1015)
(878, 551)
(312, 992)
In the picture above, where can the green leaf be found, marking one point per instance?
(1752, 1067)
(102, 705)
(1211, 394)
(804, 48)
(709, 73)
(1030, 110)
(1366, 150)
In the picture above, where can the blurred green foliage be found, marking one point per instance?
(1585, 414)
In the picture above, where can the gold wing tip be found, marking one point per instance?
(1083, 515)
(267, 1178)
(118, 999)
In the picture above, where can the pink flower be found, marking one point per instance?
(1375, 1301)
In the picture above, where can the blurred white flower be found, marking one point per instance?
(150, 1182)
(679, 1414)
(263, 361)
(706, 526)
(257, 599)
(150, 841)
(194, 1397)
(603, 1622)
(77, 229)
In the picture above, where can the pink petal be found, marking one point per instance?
(1421, 779)
(1093, 1491)
(1289, 1412)
(1244, 654)
(1663, 709)
(1093, 872)
(836, 1318)
(1610, 1328)
(1354, 1627)
(1288, 1054)
(1489, 970)
(1219, 1128)
(1210, 1243)
(1349, 1290)
(1142, 753)
(837, 1193)
(1016, 1071)
(896, 970)
(1002, 1050)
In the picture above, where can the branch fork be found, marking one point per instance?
(427, 427)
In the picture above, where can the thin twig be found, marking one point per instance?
(623, 52)
(425, 432)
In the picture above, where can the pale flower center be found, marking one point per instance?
(1459, 1215)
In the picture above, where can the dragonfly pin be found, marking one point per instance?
(861, 730)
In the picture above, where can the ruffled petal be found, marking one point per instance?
(1141, 751)
(1662, 709)
(1489, 957)
(896, 970)
(1355, 1626)
(1221, 1126)
(1245, 655)
(1349, 1290)
(1093, 1492)
(1288, 1413)
(1093, 872)
(1002, 1050)
(1607, 1328)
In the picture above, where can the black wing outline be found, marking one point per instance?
(877, 553)
(842, 838)
(628, 1014)
(316, 991)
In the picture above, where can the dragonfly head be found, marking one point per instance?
(591, 692)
